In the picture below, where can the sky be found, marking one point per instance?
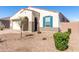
(71, 12)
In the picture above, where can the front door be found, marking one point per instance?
(35, 24)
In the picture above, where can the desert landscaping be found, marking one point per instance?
(28, 42)
(11, 41)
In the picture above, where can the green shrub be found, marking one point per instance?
(69, 30)
(61, 40)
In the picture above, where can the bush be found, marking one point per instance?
(69, 30)
(2, 27)
(61, 40)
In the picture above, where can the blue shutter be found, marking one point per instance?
(43, 22)
(51, 22)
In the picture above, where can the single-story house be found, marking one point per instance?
(5, 22)
(36, 19)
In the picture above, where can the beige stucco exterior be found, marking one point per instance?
(47, 13)
(31, 14)
(24, 13)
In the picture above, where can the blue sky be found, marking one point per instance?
(71, 12)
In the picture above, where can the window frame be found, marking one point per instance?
(51, 21)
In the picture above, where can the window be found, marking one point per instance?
(47, 22)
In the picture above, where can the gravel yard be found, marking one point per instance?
(11, 41)
(29, 42)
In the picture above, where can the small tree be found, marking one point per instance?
(22, 22)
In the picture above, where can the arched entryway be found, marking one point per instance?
(35, 23)
(25, 24)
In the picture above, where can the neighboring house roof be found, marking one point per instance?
(64, 17)
(5, 18)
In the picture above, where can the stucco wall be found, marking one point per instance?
(73, 25)
(55, 18)
(16, 26)
(21, 13)
(47, 13)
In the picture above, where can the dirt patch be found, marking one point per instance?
(29, 35)
(44, 39)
